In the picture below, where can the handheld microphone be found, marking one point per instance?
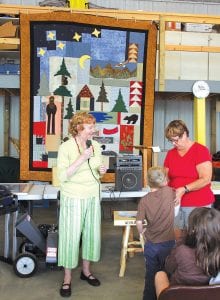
(88, 143)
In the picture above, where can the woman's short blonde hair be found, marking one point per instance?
(176, 128)
(156, 177)
(77, 121)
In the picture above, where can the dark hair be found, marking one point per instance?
(203, 234)
(193, 220)
(176, 128)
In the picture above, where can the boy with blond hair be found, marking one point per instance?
(157, 208)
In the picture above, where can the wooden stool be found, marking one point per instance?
(127, 219)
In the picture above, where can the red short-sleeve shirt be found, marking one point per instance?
(182, 171)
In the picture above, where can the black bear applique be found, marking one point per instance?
(131, 119)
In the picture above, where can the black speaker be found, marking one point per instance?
(128, 173)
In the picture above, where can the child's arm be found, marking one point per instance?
(141, 231)
(139, 225)
(139, 222)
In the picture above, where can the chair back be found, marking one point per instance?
(216, 174)
(205, 292)
(9, 169)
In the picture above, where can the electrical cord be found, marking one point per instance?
(96, 179)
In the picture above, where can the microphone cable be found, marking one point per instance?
(89, 144)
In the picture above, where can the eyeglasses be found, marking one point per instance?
(174, 140)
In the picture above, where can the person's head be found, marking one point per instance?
(176, 131)
(192, 226)
(204, 226)
(82, 124)
(51, 99)
(156, 177)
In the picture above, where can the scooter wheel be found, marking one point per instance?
(25, 265)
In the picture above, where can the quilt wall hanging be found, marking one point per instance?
(77, 62)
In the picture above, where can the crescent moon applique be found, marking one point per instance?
(82, 60)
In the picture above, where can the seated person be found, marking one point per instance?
(196, 259)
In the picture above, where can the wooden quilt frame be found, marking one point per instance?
(27, 172)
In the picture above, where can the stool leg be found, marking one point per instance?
(122, 244)
(124, 250)
(131, 239)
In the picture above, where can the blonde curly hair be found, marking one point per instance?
(77, 121)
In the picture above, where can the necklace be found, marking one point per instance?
(77, 146)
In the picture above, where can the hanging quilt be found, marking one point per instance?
(72, 63)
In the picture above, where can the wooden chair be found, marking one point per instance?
(180, 292)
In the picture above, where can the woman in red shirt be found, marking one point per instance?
(189, 170)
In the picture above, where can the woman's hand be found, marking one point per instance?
(179, 194)
(102, 170)
(80, 160)
(88, 152)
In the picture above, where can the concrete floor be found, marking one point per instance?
(45, 283)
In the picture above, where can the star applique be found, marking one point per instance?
(61, 45)
(51, 35)
(41, 52)
(96, 32)
(77, 37)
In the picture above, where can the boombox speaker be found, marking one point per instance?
(128, 173)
